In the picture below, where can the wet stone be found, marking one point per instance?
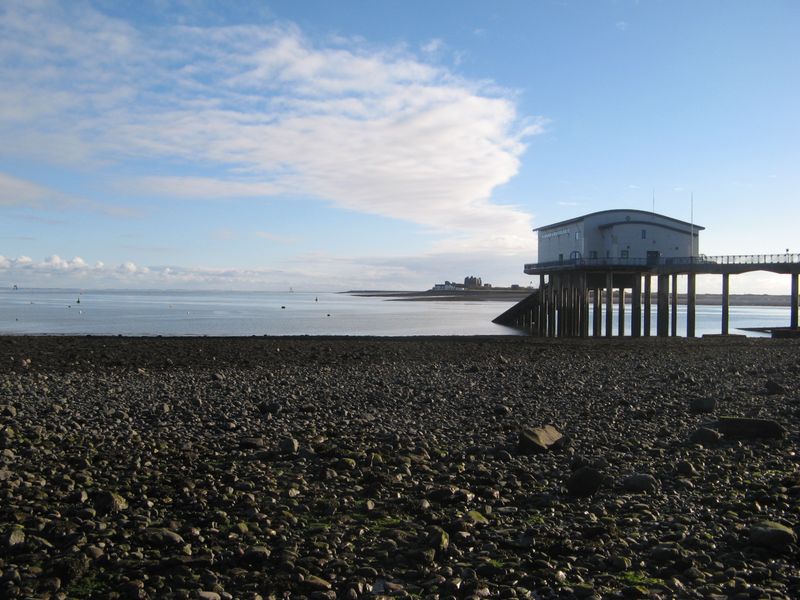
(584, 481)
(774, 536)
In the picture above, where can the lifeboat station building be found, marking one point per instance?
(601, 255)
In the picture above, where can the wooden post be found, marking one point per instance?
(647, 300)
(609, 303)
(674, 314)
(597, 329)
(585, 305)
(726, 301)
(551, 306)
(540, 314)
(636, 306)
(621, 310)
(690, 305)
(662, 309)
(794, 302)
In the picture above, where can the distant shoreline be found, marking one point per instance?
(513, 295)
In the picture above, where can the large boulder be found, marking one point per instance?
(704, 435)
(774, 536)
(639, 483)
(744, 427)
(584, 481)
(703, 405)
(536, 440)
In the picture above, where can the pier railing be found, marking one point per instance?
(734, 259)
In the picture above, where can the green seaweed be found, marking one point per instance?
(638, 578)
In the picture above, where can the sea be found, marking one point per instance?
(240, 313)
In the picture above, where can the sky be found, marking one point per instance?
(342, 145)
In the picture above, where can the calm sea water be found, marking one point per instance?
(178, 313)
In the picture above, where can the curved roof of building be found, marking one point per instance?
(628, 210)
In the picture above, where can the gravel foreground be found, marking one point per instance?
(406, 467)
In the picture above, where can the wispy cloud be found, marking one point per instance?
(20, 193)
(224, 234)
(273, 237)
(622, 25)
(373, 130)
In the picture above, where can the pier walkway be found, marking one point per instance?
(560, 307)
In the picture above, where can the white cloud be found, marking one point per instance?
(269, 112)
(204, 188)
(15, 192)
(433, 46)
(622, 25)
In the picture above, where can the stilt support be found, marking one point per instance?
(597, 325)
(662, 309)
(636, 306)
(691, 301)
(674, 314)
(609, 303)
(726, 301)
(647, 301)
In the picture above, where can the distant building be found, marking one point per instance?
(472, 282)
(618, 236)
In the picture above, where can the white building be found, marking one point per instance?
(618, 236)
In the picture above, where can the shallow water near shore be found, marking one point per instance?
(191, 313)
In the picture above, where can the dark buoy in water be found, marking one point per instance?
(316, 299)
(78, 301)
(282, 307)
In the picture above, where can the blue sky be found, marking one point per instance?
(335, 145)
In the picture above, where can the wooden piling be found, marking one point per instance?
(636, 306)
(726, 302)
(674, 314)
(647, 301)
(662, 308)
(597, 329)
(609, 303)
(691, 302)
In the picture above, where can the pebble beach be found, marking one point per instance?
(468, 467)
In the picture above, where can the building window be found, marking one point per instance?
(577, 235)
(560, 258)
(623, 254)
(644, 234)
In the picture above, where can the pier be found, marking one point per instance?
(560, 306)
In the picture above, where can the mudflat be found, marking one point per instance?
(398, 467)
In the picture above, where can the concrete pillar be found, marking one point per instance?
(662, 309)
(794, 302)
(609, 303)
(674, 314)
(726, 301)
(621, 305)
(597, 329)
(691, 302)
(636, 306)
(647, 300)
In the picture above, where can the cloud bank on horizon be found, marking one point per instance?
(252, 112)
